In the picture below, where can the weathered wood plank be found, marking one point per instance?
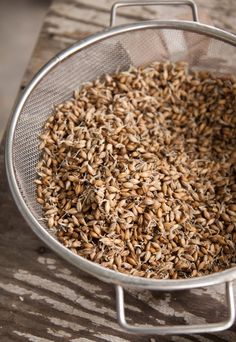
(42, 297)
(74, 16)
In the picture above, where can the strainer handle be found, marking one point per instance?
(177, 329)
(189, 3)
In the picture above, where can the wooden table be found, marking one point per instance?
(42, 297)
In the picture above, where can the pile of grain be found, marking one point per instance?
(137, 172)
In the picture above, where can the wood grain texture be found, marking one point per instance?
(42, 297)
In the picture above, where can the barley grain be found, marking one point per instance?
(137, 171)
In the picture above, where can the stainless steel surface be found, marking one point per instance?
(106, 52)
(177, 329)
(189, 3)
(35, 106)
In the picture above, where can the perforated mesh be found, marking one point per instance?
(116, 53)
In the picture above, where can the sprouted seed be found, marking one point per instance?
(137, 171)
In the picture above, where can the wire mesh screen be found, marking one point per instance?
(137, 47)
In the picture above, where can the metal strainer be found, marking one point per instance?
(202, 46)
